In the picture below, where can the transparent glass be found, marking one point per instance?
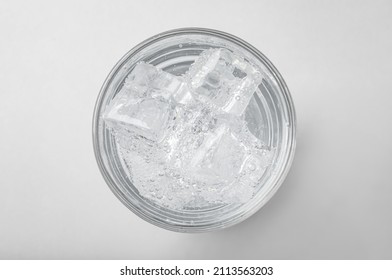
(270, 116)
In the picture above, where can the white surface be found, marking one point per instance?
(336, 59)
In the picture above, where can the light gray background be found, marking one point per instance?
(336, 57)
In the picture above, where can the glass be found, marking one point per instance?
(270, 116)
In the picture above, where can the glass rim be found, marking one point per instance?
(289, 151)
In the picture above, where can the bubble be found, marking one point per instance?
(257, 75)
(251, 166)
(237, 97)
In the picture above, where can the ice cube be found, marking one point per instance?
(171, 86)
(148, 80)
(147, 117)
(219, 158)
(166, 85)
(183, 95)
(144, 104)
(221, 150)
(154, 82)
(224, 79)
(140, 79)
